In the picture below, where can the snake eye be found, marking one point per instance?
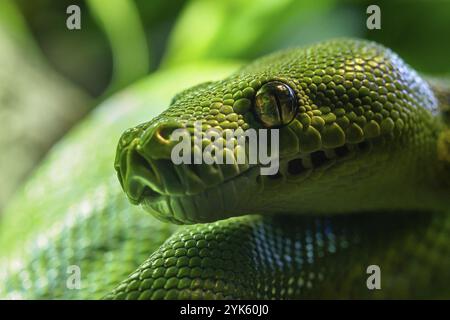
(275, 104)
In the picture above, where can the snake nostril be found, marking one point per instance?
(164, 132)
(156, 141)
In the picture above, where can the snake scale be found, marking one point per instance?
(364, 179)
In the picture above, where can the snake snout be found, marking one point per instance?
(146, 169)
(149, 176)
(143, 162)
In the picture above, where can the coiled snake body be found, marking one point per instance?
(363, 180)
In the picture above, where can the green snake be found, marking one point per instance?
(363, 179)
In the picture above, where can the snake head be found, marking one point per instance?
(335, 116)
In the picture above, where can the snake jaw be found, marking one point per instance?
(179, 193)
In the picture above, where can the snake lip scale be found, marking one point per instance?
(194, 207)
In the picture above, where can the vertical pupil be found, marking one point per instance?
(275, 105)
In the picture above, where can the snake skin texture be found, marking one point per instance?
(363, 180)
(365, 122)
(291, 258)
(364, 139)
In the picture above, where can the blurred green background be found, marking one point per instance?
(51, 77)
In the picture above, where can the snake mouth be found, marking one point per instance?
(187, 194)
(212, 204)
(180, 193)
(193, 193)
(176, 194)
